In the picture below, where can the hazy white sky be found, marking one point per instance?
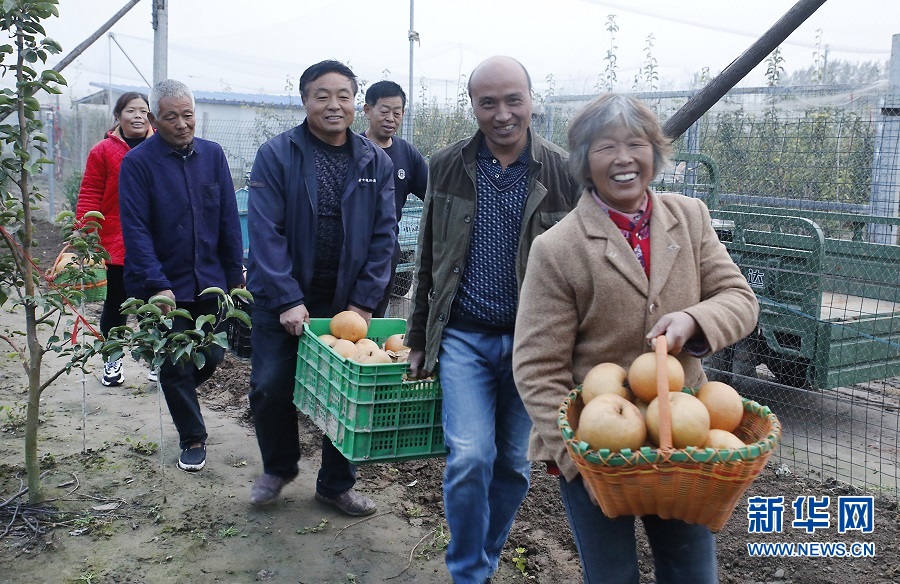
(260, 46)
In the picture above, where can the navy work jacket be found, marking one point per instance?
(282, 220)
(179, 220)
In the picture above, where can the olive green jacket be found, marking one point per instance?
(448, 217)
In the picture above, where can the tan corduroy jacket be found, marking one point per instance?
(586, 300)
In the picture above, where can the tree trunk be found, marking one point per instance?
(33, 363)
(32, 413)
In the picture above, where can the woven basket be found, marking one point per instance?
(93, 285)
(696, 485)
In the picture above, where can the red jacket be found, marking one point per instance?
(100, 192)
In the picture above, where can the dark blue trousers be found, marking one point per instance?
(273, 366)
(180, 381)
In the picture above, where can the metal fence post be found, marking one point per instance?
(51, 135)
(692, 146)
(886, 163)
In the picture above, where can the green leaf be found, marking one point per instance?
(204, 319)
(199, 359)
(213, 290)
(238, 314)
(149, 309)
(242, 293)
(160, 299)
(51, 75)
(132, 302)
(180, 312)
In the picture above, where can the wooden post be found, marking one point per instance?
(738, 69)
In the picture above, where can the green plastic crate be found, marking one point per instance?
(368, 411)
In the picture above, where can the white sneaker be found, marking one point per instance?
(112, 373)
(153, 376)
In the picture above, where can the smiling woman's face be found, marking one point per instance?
(134, 119)
(621, 166)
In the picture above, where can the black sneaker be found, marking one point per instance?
(112, 373)
(192, 459)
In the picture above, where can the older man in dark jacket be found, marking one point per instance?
(182, 235)
(322, 228)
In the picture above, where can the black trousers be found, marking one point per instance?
(273, 366)
(112, 316)
(180, 381)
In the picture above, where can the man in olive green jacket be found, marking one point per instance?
(488, 197)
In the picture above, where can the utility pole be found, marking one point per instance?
(160, 40)
(413, 39)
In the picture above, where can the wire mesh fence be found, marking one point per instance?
(805, 197)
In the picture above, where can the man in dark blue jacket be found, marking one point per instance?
(182, 235)
(322, 228)
(384, 107)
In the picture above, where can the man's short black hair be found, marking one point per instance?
(323, 68)
(382, 89)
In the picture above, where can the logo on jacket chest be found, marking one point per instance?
(367, 180)
(401, 173)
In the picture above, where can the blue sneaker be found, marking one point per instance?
(192, 459)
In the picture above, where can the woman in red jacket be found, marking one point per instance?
(100, 192)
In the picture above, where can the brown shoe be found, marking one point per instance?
(266, 489)
(350, 503)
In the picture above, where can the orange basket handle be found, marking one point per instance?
(662, 393)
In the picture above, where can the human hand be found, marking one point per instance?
(292, 319)
(417, 365)
(679, 328)
(165, 308)
(361, 312)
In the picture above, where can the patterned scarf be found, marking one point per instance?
(636, 229)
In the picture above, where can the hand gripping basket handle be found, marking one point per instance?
(53, 270)
(662, 393)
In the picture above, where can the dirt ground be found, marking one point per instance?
(118, 510)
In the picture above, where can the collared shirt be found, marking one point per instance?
(179, 220)
(488, 289)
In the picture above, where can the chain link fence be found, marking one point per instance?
(803, 187)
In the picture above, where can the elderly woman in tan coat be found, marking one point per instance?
(625, 266)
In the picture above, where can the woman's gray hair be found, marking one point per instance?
(602, 117)
(171, 89)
